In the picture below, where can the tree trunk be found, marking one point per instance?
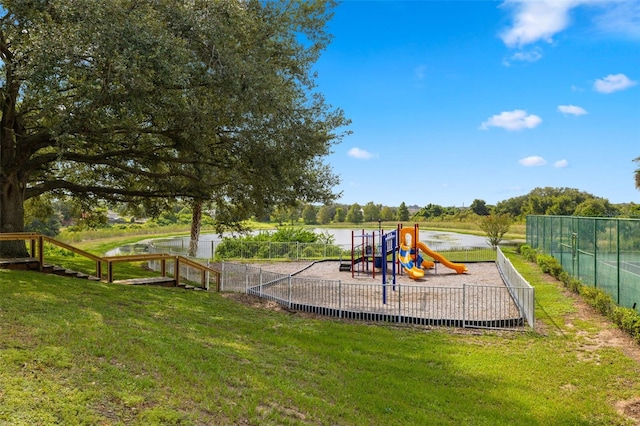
(196, 224)
(11, 216)
(12, 187)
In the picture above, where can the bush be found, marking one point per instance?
(528, 252)
(575, 285)
(627, 319)
(495, 226)
(565, 278)
(549, 265)
(604, 303)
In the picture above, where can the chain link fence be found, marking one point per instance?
(600, 252)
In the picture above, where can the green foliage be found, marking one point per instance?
(479, 207)
(354, 214)
(637, 173)
(549, 265)
(209, 101)
(284, 243)
(309, 214)
(325, 214)
(594, 207)
(557, 201)
(340, 216)
(430, 211)
(289, 234)
(626, 319)
(495, 226)
(371, 212)
(402, 214)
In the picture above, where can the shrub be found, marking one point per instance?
(528, 252)
(604, 303)
(549, 265)
(575, 285)
(628, 320)
(495, 226)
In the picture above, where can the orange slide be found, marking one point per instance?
(460, 268)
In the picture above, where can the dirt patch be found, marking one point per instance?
(630, 409)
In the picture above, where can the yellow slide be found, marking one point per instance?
(460, 268)
(406, 259)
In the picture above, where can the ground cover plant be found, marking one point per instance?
(77, 352)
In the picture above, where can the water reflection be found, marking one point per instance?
(437, 240)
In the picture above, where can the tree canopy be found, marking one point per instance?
(136, 101)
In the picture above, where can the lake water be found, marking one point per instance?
(437, 240)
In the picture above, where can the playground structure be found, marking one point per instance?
(411, 259)
(365, 251)
(403, 242)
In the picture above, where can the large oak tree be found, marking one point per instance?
(136, 100)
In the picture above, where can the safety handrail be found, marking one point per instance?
(37, 251)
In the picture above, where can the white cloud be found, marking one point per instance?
(512, 120)
(534, 160)
(360, 154)
(561, 164)
(613, 83)
(536, 20)
(572, 109)
(524, 56)
(619, 17)
(530, 56)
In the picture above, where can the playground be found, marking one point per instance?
(393, 277)
(401, 248)
(477, 298)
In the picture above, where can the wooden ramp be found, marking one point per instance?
(161, 281)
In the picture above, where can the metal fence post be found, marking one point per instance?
(464, 306)
(289, 297)
(246, 278)
(399, 302)
(340, 299)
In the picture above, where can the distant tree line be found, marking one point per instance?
(49, 215)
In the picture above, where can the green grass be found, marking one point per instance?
(77, 352)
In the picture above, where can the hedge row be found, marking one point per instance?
(626, 318)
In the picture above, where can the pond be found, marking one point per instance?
(438, 240)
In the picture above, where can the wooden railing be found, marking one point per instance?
(36, 249)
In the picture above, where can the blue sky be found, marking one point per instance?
(452, 101)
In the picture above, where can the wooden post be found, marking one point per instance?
(41, 251)
(176, 271)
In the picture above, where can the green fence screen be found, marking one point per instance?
(600, 252)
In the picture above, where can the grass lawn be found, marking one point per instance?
(79, 352)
